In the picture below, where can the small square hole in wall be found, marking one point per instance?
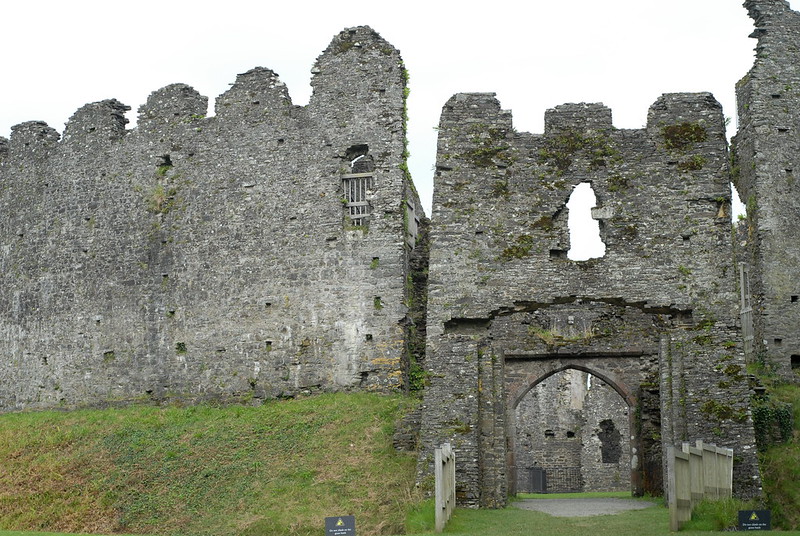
(268, 346)
(267, 305)
(549, 433)
(368, 337)
(794, 299)
(778, 342)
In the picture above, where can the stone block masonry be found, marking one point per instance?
(212, 257)
(507, 308)
(766, 164)
(274, 249)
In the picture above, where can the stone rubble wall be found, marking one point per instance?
(200, 257)
(504, 297)
(766, 173)
(210, 257)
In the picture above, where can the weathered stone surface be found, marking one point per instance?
(200, 256)
(507, 308)
(767, 162)
(274, 249)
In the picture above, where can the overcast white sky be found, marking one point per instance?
(535, 54)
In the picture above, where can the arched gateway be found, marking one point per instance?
(572, 428)
(655, 318)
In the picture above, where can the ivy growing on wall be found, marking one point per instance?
(773, 422)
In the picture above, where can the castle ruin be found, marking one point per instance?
(274, 250)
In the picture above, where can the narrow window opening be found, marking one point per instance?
(584, 231)
(610, 442)
(357, 185)
(268, 346)
(796, 362)
(794, 299)
(738, 209)
(549, 433)
(412, 224)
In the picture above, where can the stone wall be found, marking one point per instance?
(767, 167)
(200, 257)
(507, 307)
(275, 249)
(573, 423)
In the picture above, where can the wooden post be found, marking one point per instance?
(445, 476)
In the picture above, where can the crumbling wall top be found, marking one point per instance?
(171, 104)
(32, 139)
(762, 10)
(104, 120)
(581, 117)
(255, 96)
(687, 108)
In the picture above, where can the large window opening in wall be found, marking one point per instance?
(584, 231)
(357, 186)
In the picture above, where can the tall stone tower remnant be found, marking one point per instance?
(766, 168)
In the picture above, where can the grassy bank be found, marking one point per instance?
(278, 469)
(275, 469)
(780, 467)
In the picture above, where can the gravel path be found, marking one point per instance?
(582, 507)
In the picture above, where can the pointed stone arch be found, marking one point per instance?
(613, 380)
(574, 455)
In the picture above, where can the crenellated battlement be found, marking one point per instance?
(101, 121)
(271, 250)
(358, 68)
(213, 257)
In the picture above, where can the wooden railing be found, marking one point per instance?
(445, 471)
(693, 474)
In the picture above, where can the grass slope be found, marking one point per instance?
(780, 468)
(275, 469)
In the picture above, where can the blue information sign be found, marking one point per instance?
(755, 520)
(340, 526)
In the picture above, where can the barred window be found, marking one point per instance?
(356, 187)
(357, 184)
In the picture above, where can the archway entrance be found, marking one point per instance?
(571, 434)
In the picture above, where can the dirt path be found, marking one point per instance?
(582, 507)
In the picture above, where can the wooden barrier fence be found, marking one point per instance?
(445, 471)
(693, 474)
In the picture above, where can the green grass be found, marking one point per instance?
(275, 469)
(653, 521)
(279, 469)
(780, 467)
